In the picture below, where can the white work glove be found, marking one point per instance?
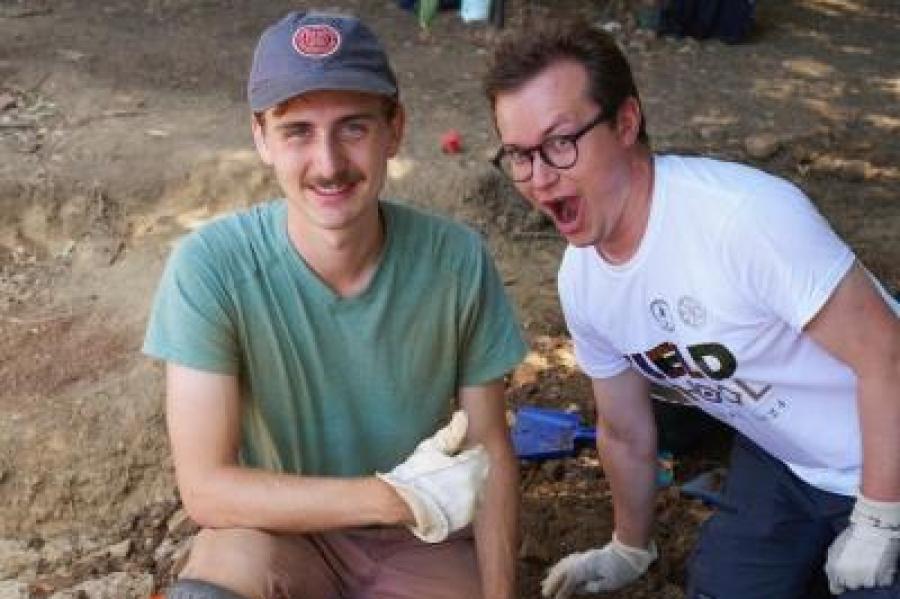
(865, 554)
(441, 484)
(606, 569)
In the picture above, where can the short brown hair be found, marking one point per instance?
(522, 54)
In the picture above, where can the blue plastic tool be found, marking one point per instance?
(545, 433)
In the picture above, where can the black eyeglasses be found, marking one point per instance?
(558, 151)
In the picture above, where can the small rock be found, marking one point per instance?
(180, 555)
(762, 146)
(36, 543)
(7, 101)
(180, 524)
(850, 170)
(164, 551)
(119, 550)
(66, 251)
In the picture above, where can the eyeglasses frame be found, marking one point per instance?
(572, 138)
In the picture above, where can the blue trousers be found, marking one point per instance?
(769, 540)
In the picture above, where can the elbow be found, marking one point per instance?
(206, 507)
(203, 517)
(199, 508)
(882, 368)
(639, 442)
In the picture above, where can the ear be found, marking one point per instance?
(628, 121)
(259, 138)
(398, 126)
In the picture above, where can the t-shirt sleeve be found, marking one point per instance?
(491, 338)
(191, 321)
(782, 253)
(596, 357)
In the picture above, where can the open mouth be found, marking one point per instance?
(564, 210)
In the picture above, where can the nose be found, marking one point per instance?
(542, 174)
(328, 158)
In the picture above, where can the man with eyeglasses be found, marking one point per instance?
(724, 284)
(315, 343)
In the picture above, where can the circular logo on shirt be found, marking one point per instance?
(691, 312)
(316, 41)
(662, 314)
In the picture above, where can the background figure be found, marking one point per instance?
(728, 20)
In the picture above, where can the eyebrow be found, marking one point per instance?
(344, 119)
(545, 134)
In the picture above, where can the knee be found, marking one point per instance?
(237, 560)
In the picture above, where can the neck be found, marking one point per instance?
(344, 259)
(635, 214)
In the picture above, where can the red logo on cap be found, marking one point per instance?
(316, 40)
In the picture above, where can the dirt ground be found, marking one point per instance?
(123, 126)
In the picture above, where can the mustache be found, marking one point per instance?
(348, 177)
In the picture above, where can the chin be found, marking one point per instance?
(578, 239)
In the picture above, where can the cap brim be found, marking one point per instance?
(274, 93)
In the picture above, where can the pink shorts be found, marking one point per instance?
(364, 563)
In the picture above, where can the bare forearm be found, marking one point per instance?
(497, 529)
(879, 405)
(204, 420)
(234, 496)
(631, 472)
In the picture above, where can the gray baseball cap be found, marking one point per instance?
(308, 51)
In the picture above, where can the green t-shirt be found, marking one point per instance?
(332, 385)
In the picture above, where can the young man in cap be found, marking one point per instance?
(724, 284)
(313, 342)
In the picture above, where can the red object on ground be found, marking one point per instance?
(451, 142)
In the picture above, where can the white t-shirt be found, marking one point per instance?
(733, 264)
